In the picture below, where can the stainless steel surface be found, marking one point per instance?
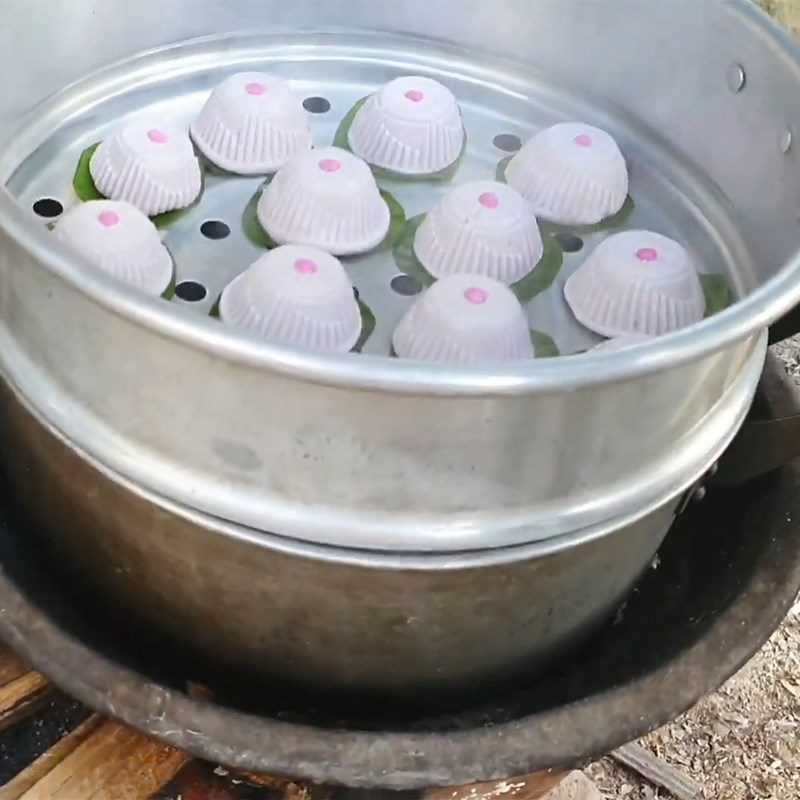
(374, 452)
(331, 618)
(375, 517)
(727, 575)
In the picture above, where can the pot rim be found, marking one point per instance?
(379, 373)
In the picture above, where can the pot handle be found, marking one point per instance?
(760, 446)
(788, 325)
(770, 441)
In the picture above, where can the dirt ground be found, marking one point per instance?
(740, 743)
(743, 741)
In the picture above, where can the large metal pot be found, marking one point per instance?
(533, 494)
(327, 616)
(727, 574)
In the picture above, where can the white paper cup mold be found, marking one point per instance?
(636, 282)
(412, 125)
(325, 198)
(118, 239)
(150, 165)
(571, 173)
(480, 228)
(464, 319)
(251, 124)
(295, 295)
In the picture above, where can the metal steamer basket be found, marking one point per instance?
(362, 521)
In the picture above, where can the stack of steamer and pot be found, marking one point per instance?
(355, 521)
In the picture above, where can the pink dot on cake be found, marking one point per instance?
(476, 296)
(305, 266)
(255, 88)
(489, 200)
(108, 218)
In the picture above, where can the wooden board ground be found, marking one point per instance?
(103, 760)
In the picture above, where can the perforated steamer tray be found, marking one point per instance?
(501, 108)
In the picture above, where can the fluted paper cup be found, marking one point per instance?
(636, 282)
(480, 228)
(295, 295)
(150, 165)
(117, 238)
(251, 124)
(571, 173)
(325, 198)
(412, 125)
(464, 319)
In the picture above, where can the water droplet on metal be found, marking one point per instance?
(736, 78)
(785, 140)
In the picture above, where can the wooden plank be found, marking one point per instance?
(48, 761)
(526, 787)
(109, 762)
(576, 786)
(285, 788)
(101, 760)
(11, 667)
(658, 772)
(199, 780)
(22, 696)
